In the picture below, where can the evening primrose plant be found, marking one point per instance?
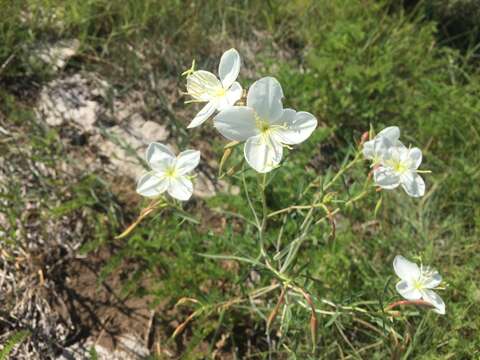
(262, 130)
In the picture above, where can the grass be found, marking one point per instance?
(354, 65)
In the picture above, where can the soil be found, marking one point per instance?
(97, 308)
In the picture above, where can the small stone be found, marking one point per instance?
(57, 55)
(123, 162)
(151, 131)
(129, 347)
(68, 101)
(86, 115)
(203, 186)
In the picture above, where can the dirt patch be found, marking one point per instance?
(100, 315)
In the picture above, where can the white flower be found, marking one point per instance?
(265, 125)
(169, 173)
(399, 166)
(376, 148)
(204, 86)
(417, 283)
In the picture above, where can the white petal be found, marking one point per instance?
(229, 67)
(203, 85)
(287, 118)
(232, 95)
(381, 148)
(433, 280)
(265, 97)
(405, 289)
(187, 161)
(386, 178)
(203, 115)
(236, 123)
(368, 149)
(263, 153)
(180, 188)
(415, 156)
(391, 133)
(378, 148)
(151, 184)
(299, 126)
(413, 184)
(433, 298)
(406, 270)
(398, 152)
(159, 156)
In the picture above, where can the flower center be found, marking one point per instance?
(398, 166)
(263, 126)
(171, 172)
(221, 92)
(418, 284)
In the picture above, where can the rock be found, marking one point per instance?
(118, 148)
(203, 186)
(68, 101)
(129, 347)
(132, 347)
(120, 133)
(56, 55)
(151, 131)
(77, 100)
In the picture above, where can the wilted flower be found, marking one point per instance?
(376, 148)
(169, 172)
(203, 86)
(398, 166)
(265, 125)
(417, 283)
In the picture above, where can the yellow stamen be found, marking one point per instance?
(171, 172)
(398, 166)
(221, 92)
(418, 285)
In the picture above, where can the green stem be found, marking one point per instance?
(249, 200)
(263, 225)
(342, 171)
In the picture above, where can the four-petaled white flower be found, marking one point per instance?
(376, 148)
(203, 86)
(417, 283)
(169, 172)
(399, 167)
(265, 125)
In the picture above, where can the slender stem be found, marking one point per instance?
(315, 205)
(154, 204)
(342, 171)
(307, 223)
(349, 202)
(294, 207)
(249, 201)
(263, 225)
(264, 202)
